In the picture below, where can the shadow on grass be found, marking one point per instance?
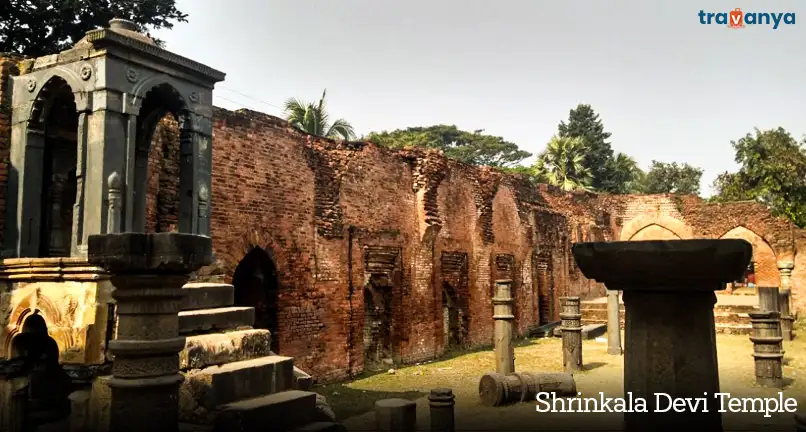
(349, 402)
(593, 365)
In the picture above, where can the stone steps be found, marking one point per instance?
(233, 381)
(216, 319)
(729, 319)
(207, 296)
(286, 411)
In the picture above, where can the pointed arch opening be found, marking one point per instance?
(55, 116)
(256, 285)
(763, 268)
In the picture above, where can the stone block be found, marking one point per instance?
(302, 381)
(220, 348)
(207, 296)
(99, 404)
(592, 331)
(216, 319)
(79, 410)
(281, 411)
(220, 385)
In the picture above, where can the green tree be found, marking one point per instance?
(38, 27)
(772, 171)
(313, 118)
(562, 164)
(584, 122)
(671, 178)
(624, 175)
(475, 147)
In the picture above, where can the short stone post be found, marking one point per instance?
(785, 299)
(613, 323)
(768, 301)
(669, 298)
(392, 415)
(572, 334)
(442, 402)
(504, 320)
(148, 271)
(767, 351)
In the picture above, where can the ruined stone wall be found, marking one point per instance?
(8, 68)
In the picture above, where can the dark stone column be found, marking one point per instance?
(785, 299)
(670, 344)
(572, 334)
(504, 320)
(767, 350)
(148, 271)
(442, 401)
(769, 301)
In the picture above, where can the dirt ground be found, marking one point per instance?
(353, 402)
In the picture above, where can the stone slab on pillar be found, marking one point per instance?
(148, 272)
(613, 324)
(785, 299)
(670, 338)
(572, 333)
(441, 402)
(504, 323)
(767, 352)
(395, 415)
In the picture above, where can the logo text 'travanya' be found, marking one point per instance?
(738, 19)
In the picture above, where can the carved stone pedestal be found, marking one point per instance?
(767, 350)
(504, 320)
(148, 271)
(670, 344)
(441, 401)
(572, 333)
(613, 324)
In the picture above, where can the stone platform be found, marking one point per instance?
(730, 312)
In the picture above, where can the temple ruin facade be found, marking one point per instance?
(352, 256)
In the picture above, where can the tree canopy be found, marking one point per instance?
(312, 118)
(38, 27)
(672, 177)
(772, 171)
(562, 164)
(584, 122)
(475, 147)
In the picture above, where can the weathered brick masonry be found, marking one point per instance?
(377, 254)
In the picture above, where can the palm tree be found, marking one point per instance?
(626, 177)
(313, 119)
(562, 164)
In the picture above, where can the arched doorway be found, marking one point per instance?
(378, 348)
(58, 121)
(256, 285)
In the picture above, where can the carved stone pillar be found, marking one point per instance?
(669, 297)
(785, 299)
(195, 173)
(114, 217)
(24, 191)
(572, 334)
(441, 401)
(148, 271)
(613, 323)
(504, 320)
(767, 350)
(769, 301)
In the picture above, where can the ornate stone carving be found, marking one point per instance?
(204, 193)
(132, 75)
(85, 72)
(31, 84)
(194, 97)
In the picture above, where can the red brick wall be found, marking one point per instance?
(315, 206)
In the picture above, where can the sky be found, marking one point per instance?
(667, 87)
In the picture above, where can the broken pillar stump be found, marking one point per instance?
(148, 271)
(441, 401)
(393, 415)
(497, 390)
(613, 324)
(572, 333)
(670, 338)
(767, 350)
(504, 320)
(785, 299)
